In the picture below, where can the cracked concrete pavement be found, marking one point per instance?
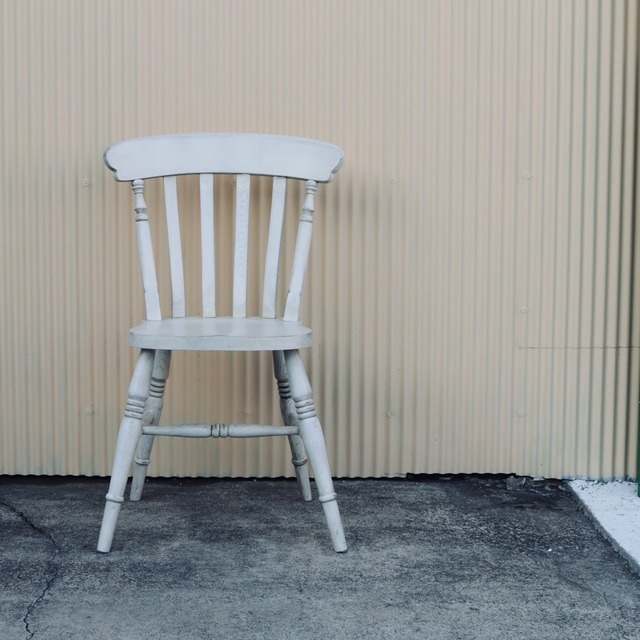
(459, 558)
(11, 525)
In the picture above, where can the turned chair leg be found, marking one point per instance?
(290, 417)
(311, 433)
(151, 416)
(128, 436)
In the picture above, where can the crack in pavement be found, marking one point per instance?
(56, 551)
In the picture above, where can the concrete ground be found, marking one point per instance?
(615, 509)
(460, 558)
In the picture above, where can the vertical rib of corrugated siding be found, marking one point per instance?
(576, 338)
(473, 289)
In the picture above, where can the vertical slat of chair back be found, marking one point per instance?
(241, 252)
(145, 252)
(208, 244)
(272, 261)
(301, 255)
(175, 247)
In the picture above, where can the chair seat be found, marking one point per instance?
(220, 334)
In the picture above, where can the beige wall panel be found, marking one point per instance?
(474, 289)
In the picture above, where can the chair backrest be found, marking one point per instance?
(208, 155)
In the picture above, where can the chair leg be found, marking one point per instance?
(152, 414)
(130, 430)
(290, 417)
(311, 432)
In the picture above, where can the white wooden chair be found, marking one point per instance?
(242, 155)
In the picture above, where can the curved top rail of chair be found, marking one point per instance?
(227, 153)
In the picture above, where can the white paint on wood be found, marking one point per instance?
(221, 334)
(313, 438)
(128, 437)
(229, 153)
(145, 251)
(219, 430)
(208, 246)
(241, 254)
(272, 262)
(238, 333)
(301, 256)
(175, 246)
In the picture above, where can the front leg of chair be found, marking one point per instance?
(311, 433)
(152, 414)
(290, 418)
(130, 430)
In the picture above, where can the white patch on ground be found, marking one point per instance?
(615, 508)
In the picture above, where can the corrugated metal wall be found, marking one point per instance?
(474, 290)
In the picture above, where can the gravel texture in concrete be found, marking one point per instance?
(459, 558)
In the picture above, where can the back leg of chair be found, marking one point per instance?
(290, 417)
(311, 433)
(151, 416)
(128, 436)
